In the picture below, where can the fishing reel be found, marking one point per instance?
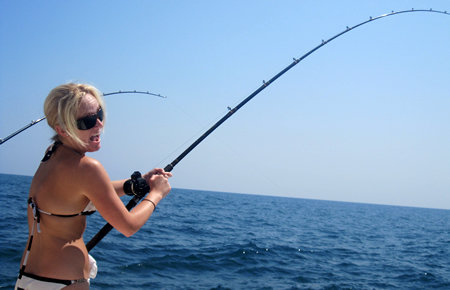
(136, 186)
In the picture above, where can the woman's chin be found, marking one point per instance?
(94, 145)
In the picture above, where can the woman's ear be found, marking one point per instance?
(61, 131)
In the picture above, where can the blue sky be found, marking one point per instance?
(363, 119)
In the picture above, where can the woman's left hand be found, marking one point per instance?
(156, 171)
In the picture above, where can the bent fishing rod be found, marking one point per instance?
(34, 122)
(107, 228)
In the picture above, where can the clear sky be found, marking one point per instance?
(366, 118)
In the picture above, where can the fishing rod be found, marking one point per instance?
(34, 122)
(135, 92)
(107, 228)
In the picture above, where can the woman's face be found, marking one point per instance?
(91, 137)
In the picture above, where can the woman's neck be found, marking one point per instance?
(70, 148)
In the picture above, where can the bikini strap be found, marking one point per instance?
(36, 214)
(36, 221)
(51, 150)
(37, 211)
(54, 280)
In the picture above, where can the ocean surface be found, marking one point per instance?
(215, 240)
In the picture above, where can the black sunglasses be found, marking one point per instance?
(90, 121)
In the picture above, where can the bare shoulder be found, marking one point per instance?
(89, 163)
(98, 188)
(92, 169)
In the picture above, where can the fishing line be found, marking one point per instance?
(202, 125)
(265, 84)
(34, 122)
(224, 144)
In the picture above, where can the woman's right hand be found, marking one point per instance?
(159, 185)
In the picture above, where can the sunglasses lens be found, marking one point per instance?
(87, 122)
(90, 121)
(100, 114)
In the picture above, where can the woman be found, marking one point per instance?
(64, 188)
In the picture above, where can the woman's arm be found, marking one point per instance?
(118, 186)
(104, 195)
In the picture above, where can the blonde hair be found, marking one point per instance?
(62, 104)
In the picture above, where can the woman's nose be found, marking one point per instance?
(99, 123)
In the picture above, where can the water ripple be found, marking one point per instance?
(214, 240)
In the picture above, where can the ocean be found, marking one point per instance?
(216, 240)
